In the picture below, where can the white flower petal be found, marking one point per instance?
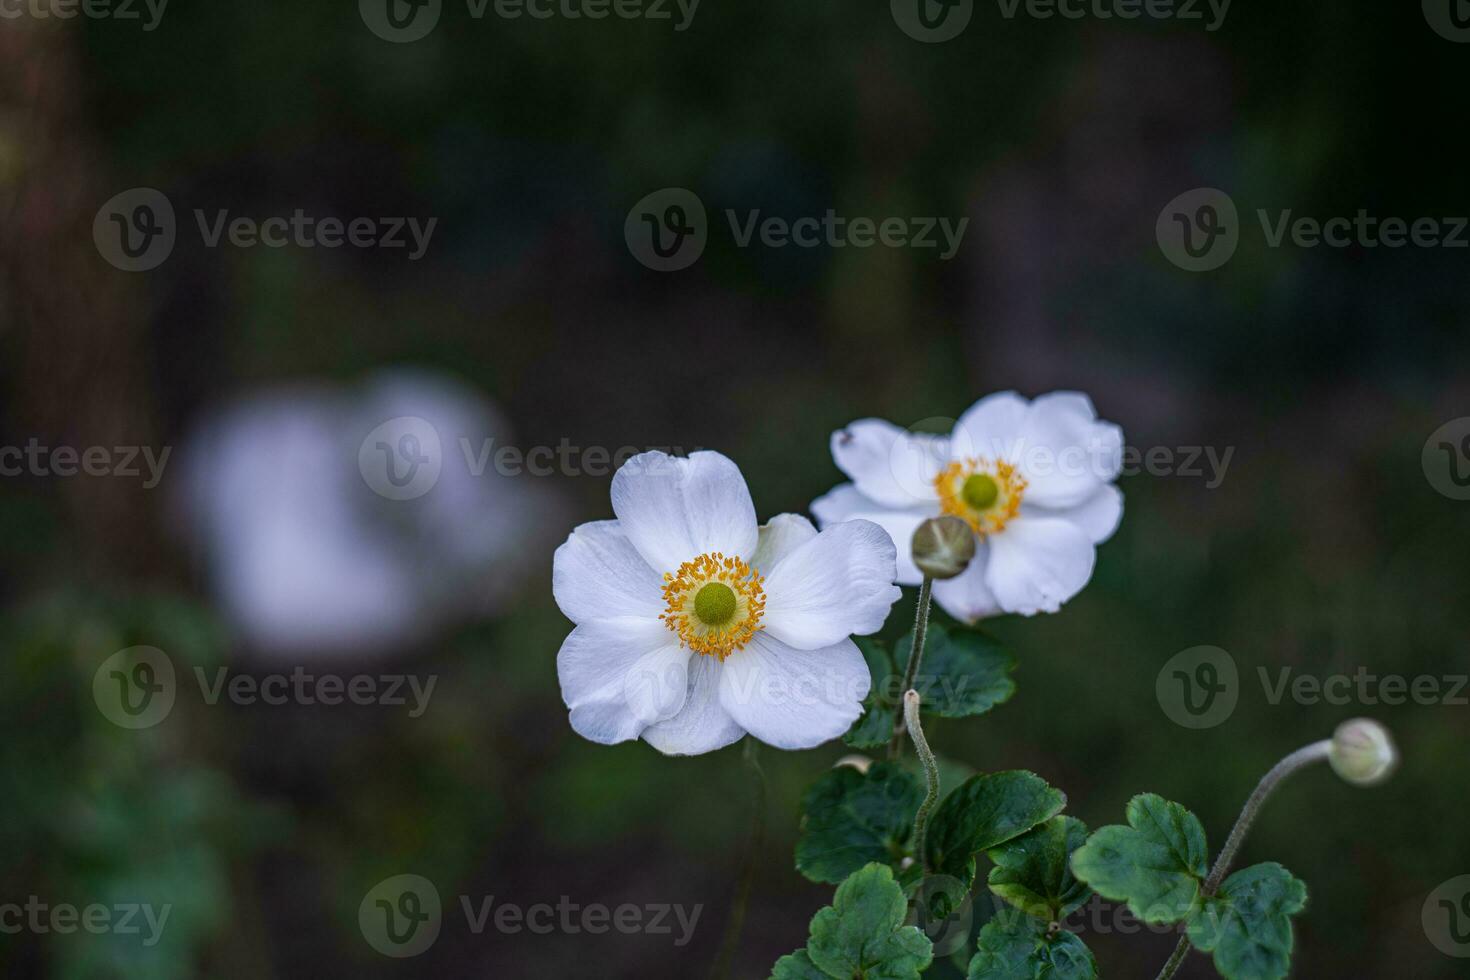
(990, 428)
(592, 666)
(794, 699)
(605, 722)
(780, 537)
(890, 465)
(1098, 516)
(702, 725)
(675, 509)
(1036, 564)
(846, 503)
(656, 685)
(598, 574)
(1065, 453)
(966, 597)
(837, 584)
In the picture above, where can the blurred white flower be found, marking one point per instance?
(694, 626)
(1032, 479)
(305, 556)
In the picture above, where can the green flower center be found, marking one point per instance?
(715, 604)
(980, 491)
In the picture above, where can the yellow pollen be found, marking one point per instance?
(984, 494)
(735, 607)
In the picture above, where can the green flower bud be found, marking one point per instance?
(943, 547)
(1362, 752)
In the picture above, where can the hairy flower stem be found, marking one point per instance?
(1300, 759)
(736, 923)
(931, 774)
(916, 653)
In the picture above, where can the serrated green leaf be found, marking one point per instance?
(983, 812)
(852, 819)
(797, 966)
(964, 672)
(1034, 871)
(1019, 947)
(1247, 923)
(862, 935)
(874, 728)
(1156, 864)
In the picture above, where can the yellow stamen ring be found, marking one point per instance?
(715, 604)
(984, 494)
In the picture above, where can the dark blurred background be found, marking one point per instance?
(1325, 547)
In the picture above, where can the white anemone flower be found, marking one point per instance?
(694, 626)
(1034, 480)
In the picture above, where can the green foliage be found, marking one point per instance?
(1156, 864)
(875, 727)
(853, 818)
(1034, 872)
(1247, 924)
(1020, 947)
(861, 935)
(984, 812)
(964, 672)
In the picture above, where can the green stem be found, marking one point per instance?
(1300, 759)
(916, 653)
(736, 923)
(931, 774)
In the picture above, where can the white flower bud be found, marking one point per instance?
(943, 547)
(1362, 752)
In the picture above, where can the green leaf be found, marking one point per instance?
(852, 819)
(984, 812)
(964, 671)
(862, 935)
(1034, 871)
(797, 966)
(1156, 864)
(875, 728)
(1247, 923)
(1018, 947)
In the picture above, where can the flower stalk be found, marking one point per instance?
(916, 653)
(1300, 759)
(931, 774)
(736, 923)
